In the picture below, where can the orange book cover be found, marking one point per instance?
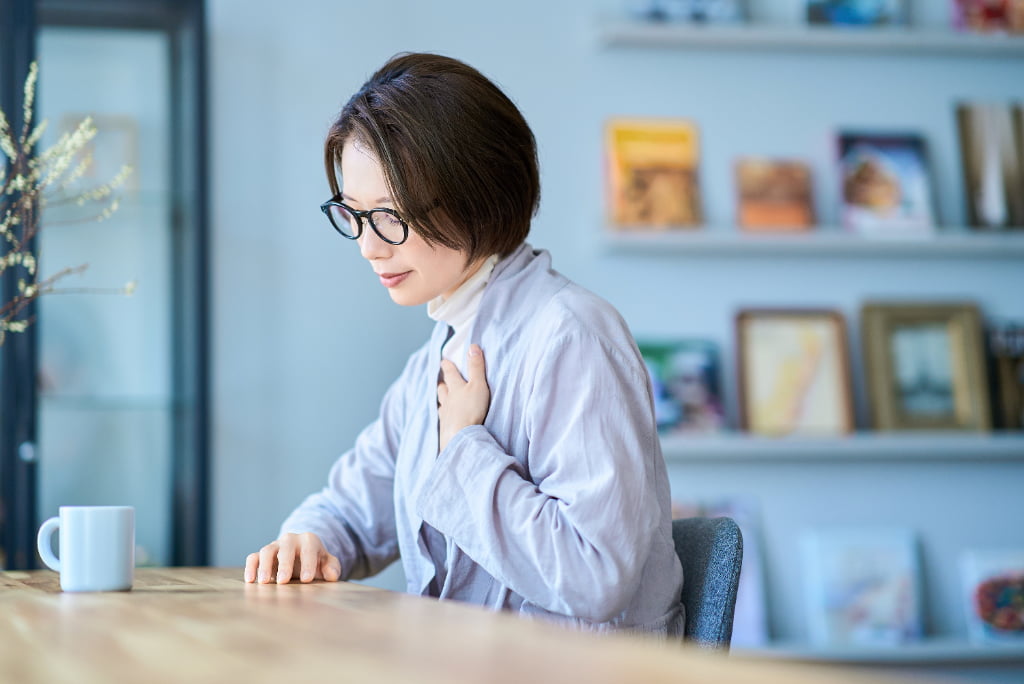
(652, 173)
(773, 195)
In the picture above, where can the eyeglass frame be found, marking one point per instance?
(368, 214)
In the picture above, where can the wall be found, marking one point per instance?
(305, 341)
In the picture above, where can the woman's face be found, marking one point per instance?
(414, 272)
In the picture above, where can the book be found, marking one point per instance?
(863, 586)
(994, 595)
(992, 161)
(773, 195)
(652, 173)
(695, 11)
(886, 189)
(685, 383)
(857, 12)
(983, 16)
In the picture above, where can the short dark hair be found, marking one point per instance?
(459, 159)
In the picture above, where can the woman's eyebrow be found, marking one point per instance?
(381, 200)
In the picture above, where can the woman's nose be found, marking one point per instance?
(371, 246)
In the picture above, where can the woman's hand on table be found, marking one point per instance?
(462, 402)
(292, 556)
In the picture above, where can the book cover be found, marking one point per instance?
(992, 161)
(994, 595)
(773, 195)
(863, 586)
(984, 16)
(886, 189)
(652, 173)
(685, 382)
(857, 12)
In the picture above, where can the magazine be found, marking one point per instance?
(652, 173)
(886, 189)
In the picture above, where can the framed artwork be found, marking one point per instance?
(994, 595)
(925, 366)
(886, 189)
(685, 382)
(794, 373)
(862, 586)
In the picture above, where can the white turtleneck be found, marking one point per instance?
(459, 311)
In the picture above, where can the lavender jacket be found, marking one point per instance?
(558, 505)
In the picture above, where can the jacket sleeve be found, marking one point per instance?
(354, 514)
(573, 534)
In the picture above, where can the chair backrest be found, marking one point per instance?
(711, 550)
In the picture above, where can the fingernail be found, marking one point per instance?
(306, 575)
(474, 350)
(264, 576)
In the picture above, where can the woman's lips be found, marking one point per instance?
(392, 279)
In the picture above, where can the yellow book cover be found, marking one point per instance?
(652, 173)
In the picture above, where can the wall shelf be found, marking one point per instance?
(926, 652)
(898, 447)
(907, 41)
(827, 241)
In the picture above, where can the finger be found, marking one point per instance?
(286, 559)
(442, 393)
(452, 376)
(309, 559)
(252, 561)
(476, 366)
(330, 567)
(268, 559)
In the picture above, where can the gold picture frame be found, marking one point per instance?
(794, 372)
(925, 366)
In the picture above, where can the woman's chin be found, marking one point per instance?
(407, 298)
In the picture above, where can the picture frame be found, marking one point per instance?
(885, 184)
(685, 381)
(993, 582)
(794, 372)
(925, 365)
(862, 586)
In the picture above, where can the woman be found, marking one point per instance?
(532, 481)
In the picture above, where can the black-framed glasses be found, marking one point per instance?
(386, 223)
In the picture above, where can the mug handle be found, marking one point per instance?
(43, 543)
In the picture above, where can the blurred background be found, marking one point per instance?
(258, 344)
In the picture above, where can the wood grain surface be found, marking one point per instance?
(207, 625)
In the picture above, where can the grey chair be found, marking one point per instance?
(711, 550)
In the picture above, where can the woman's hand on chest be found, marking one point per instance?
(462, 402)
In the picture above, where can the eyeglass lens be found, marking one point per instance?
(388, 226)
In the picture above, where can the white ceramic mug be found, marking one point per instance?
(97, 547)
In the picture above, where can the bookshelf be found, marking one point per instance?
(959, 482)
(956, 243)
(925, 652)
(909, 41)
(867, 447)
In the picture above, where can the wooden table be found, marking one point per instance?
(207, 625)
